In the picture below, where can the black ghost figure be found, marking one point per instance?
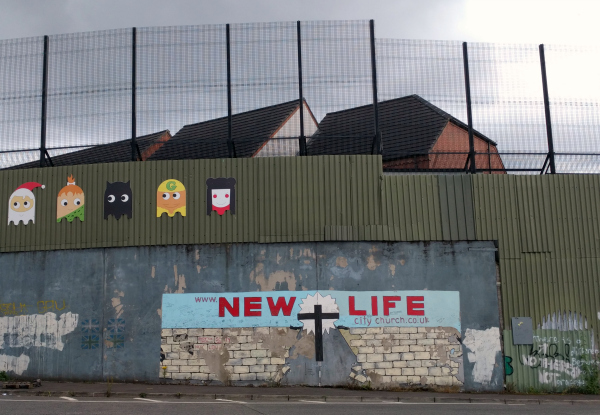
(117, 200)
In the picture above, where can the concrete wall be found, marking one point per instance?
(94, 314)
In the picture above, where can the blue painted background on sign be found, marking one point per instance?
(437, 309)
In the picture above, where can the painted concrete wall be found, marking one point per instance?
(97, 313)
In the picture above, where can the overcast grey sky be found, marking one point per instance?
(510, 21)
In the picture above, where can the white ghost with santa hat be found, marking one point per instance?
(21, 204)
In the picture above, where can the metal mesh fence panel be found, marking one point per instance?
(89, 88)
(508, 103)
(182, 87)
(415, 79)
(264, 73)
(181, 76)
(574, 92)
(21, 66)
(336, 62)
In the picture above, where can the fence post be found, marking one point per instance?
(44, 103)
(302, 142)
(547, 111)
(377, 143)
(471, 158)
(230, 147)
(133, 99)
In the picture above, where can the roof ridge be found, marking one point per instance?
(240, 113)
(452, 118)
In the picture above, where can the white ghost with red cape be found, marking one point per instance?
(21, 204)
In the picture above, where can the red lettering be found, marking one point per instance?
(252, 307)
(353, 310)
(280, 305)
(233, 310)
(415, 306)
(374, 310)
(388, 302)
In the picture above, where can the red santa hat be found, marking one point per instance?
(30, 186)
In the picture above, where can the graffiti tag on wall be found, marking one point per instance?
(555, 358)
(41, 307)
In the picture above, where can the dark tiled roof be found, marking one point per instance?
(408, 125)
(208, 139)
(119, 151)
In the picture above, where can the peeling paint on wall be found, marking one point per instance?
(341, 262)
(116, 303)
(484, 345)
(14, 364)
(227, 355)
(37, 330)
(179, 281)
(274, 281)
(372, 264)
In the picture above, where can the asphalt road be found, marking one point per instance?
(134, 406)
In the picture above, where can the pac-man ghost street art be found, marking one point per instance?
(118, 200)
(220, 195)
(170, 198)
(70, 202)
(21, 204)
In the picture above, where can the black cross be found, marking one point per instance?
(318, 316)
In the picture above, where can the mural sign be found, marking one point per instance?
(118, 200)
(388, 337)
(70, 202)
(21, 204)
(311, 310)
(220, 195)
(170, 198)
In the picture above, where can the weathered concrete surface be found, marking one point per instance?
(121, 290)
(468, 268)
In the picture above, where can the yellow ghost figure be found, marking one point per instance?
(170, 198)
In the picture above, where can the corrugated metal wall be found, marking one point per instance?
(547, 227)
(548, 232)
(553, 362)
(280, 199)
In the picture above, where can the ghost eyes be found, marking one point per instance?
(176, 195)
(16, 205)
(26, 204)
(77, 202)
(112, 198)
(166, 196)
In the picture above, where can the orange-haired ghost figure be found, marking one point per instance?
(70, 202)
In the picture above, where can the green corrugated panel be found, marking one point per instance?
(551, 363)
(278, 200)
(553, 222)
(410, 207)
(456, 207)
(496, 212)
